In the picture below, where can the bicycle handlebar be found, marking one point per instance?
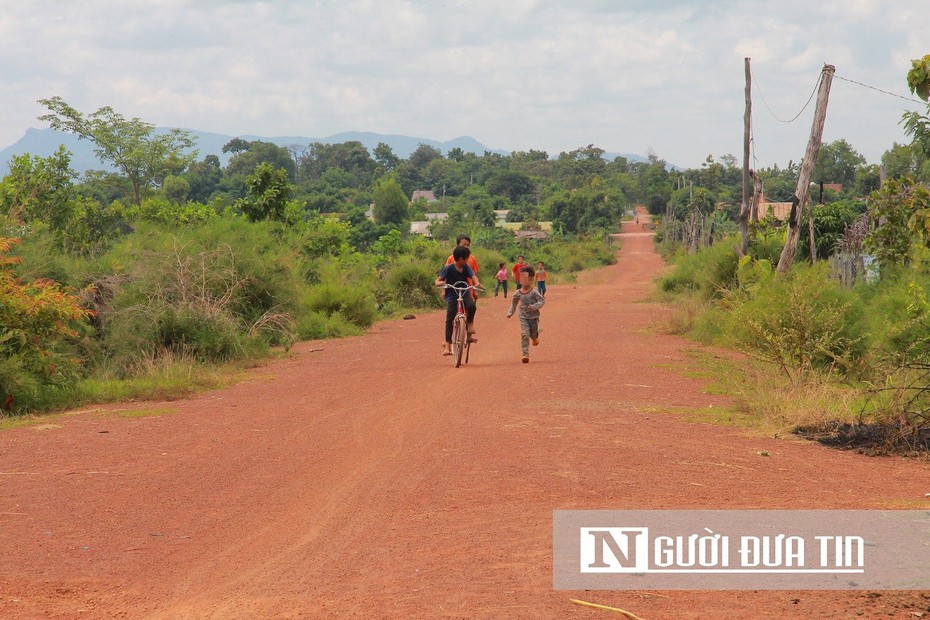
(461, 288)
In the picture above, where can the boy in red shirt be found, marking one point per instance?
(516, 271)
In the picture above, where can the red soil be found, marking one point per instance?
(373, 479)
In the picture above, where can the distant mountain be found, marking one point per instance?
(44, 142)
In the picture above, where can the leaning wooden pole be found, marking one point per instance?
(744, 209)
(802, 193)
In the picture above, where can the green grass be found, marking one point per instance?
(146, 412)
(763, 401)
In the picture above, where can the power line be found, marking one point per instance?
(775, 116)
(880, 90)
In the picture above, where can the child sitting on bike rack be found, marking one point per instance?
(458, 271)
(530, 301)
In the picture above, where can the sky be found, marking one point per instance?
(661, 77)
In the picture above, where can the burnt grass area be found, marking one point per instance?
(874, 439)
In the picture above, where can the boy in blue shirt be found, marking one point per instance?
(458, 271)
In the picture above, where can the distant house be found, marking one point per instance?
(836, 187)
(531, 234)
(425, 194)
(544, 232)
(780, 210)
(421, 227)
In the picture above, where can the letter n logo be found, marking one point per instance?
(614, 549)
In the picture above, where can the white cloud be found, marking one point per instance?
(522, 74)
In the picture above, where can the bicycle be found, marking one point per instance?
(461, 343)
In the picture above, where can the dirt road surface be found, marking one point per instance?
(371, 479)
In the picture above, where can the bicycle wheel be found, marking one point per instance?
(467, 348)
(455, 341)
(459, 340)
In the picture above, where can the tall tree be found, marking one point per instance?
(385, 157)
(390, 202)
(351, 157)
(655, 185)
(837, 162)
(133, 147)
(268, 194)
(248, 155)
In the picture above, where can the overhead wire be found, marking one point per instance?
(886, 92)
(755, 84)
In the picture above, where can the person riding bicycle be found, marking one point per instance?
(458, 271)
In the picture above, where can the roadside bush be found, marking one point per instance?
(355, 304)
(317, 325)
(163, 211)
(713, 270)
(40, 257)
(709, 271)
(571, 255)
(412, 286)
(800, 323)
(216, 291)
(196, 330)
(40, 325)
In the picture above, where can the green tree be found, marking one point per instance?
(585, 209)
(391, 205)
(903, 160)
(444, 173)
(532, 163)
(143, 155)
(411, 174)
(38, 188)
(385, 157)
(575, 168)
(655, 185)
(917, 125)
(830, 222)
(892, 208)
(176, 189)
(352, 158)
(868, 179)
(684, 200)
(514, 185)
(203, 177)
(478, 205)
(837, 162)
(422, 155)
(268, 194)
(248, 156)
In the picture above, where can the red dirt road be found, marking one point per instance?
(373, 480)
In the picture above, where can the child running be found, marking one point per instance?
(541, 277)
(501, 280)
(530, 301)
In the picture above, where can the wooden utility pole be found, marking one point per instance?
(802, 193)
(744, 209)
(810, 230)
(756, 197)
